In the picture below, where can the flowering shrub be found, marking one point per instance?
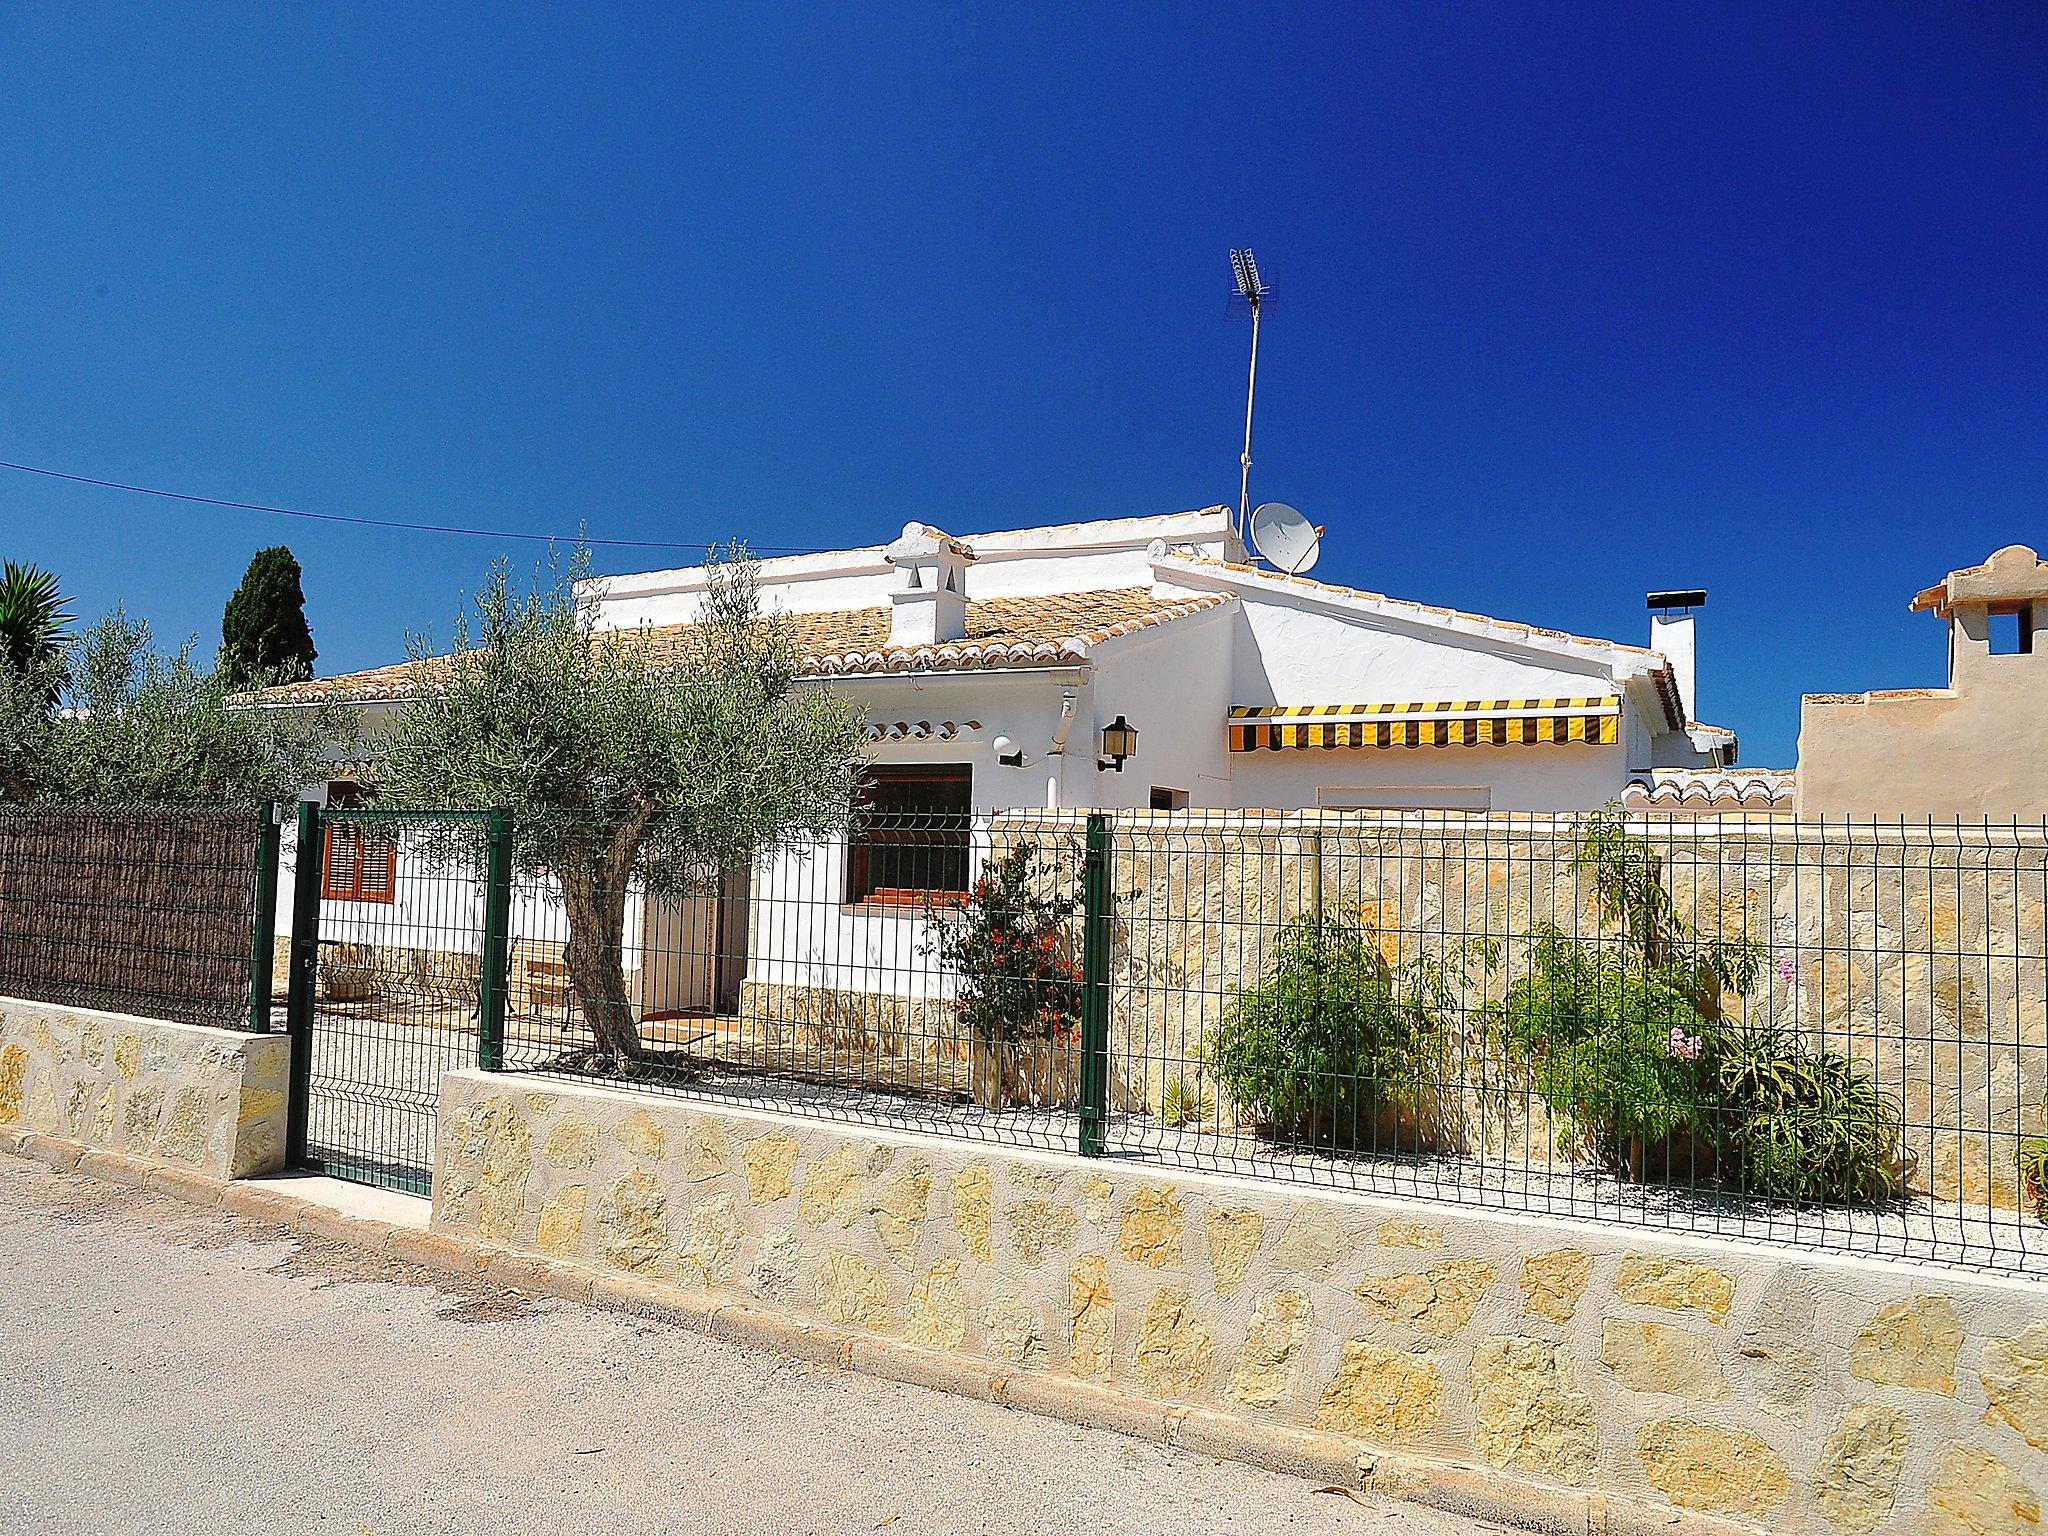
(1626, 1039)
(1008, 942)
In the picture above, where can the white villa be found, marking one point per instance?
(1145, 663)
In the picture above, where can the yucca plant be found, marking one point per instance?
(35, 621)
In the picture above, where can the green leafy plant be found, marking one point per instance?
(1800, 1125)
(1008, 942)
(1335, 1048)
(33, 618)
(1616, 1047)
(1185, 1101)
(2034, 1173)
(1627, 1036)
(135, 724)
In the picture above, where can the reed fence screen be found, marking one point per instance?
(138, 910)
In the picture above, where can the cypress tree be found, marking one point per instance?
(263, 633)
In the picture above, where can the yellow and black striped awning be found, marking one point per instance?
(1425, 723)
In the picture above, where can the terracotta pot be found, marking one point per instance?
(1036, 1074)
(1680, 1159)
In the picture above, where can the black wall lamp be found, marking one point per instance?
(1119, 741)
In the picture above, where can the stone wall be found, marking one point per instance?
(1777, 1389)
(212, 1100)
(1920, 951)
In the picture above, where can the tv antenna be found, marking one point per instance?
(1251, 293)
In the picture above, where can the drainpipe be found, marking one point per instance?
(1059, 749)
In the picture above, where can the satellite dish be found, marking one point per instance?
(1285, 539)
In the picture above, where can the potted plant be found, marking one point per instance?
(1009, 943)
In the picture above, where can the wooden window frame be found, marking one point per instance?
(371, 873)
(930, 831)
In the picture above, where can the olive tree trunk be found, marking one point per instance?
(594, 877)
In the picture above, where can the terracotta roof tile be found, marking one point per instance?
(1036, 631)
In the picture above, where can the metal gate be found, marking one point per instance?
(395, 941)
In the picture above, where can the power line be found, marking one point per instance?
(381, 522)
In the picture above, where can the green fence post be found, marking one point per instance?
(263, 924)
(304, 976)
(1095, 936)
(490, 1033)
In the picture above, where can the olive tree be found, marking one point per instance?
(118, 721)
(623, 757)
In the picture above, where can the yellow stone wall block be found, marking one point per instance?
(1265, 1367)
(1091, 1318)
(706, 1151)
(1012, 1330)
(1553, 1282)
(1173, 1346)
(1702, 1466)
(1910, 1344)
(1656, 1357)
(13, 1079)
(641, 1135)
(2015, 1377)
(1533, 1416)
(973, 1191)
(1973, 1493)
(1677, 1285)
(1233, 1233)
(508, 1159)
(1858, 1476)
(1408, 1234)
(1439, 1300)
(1382, 1394)
(1039, 1227)
(832, 1189)
(632, 1224)
(1098, 1196)
(770, 1159)
(561, 1219)
(1150, 1234)
(851, 1293)
(938, 1308)
(711, 1243)
(1311, 1244)
(902, 1202)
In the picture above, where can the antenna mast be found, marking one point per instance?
(1251, 293)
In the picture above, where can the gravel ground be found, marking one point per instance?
(165, 1368)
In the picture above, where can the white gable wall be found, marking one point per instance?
(1075, 557)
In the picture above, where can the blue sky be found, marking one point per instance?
(1571, 302)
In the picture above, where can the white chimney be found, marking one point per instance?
(1672, 637)
(928, 605)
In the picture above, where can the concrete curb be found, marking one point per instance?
(1476, 1492)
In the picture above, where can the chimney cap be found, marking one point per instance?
(921, 541)
(1693, 598)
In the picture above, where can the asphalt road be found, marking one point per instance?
(169, 1369)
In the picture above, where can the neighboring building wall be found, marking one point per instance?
(1977, 748)
(211, 1100)
(1602, 1376)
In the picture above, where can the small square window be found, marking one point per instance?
(2012, 630)
(1165, 799)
